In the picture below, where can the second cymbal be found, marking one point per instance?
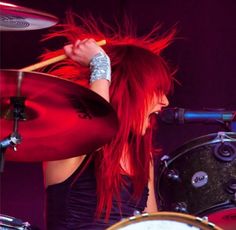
(17, 18)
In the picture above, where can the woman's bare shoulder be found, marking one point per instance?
(58, 171)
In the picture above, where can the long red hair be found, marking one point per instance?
(138, 73)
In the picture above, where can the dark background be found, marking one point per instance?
(204, 53)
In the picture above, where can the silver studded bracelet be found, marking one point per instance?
(100, 67)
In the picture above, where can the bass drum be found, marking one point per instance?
(164, 221)
(199, 178)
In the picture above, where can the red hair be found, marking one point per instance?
(138, 73)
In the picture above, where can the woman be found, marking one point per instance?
(97, 190)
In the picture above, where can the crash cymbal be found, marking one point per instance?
(61, 119)
(17, 18)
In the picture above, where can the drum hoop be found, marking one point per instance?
(188, 219)
(217, 139)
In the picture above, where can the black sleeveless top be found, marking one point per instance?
(73, 207)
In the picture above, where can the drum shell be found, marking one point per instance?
(199, 159)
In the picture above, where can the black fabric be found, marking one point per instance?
(73, 207)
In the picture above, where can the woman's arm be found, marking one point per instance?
(82, 52)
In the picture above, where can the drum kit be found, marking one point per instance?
(43, 117)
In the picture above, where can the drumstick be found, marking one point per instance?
(53, 60)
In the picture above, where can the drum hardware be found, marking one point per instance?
(136, 213)
(225, 152)
(180, 207)
(18, 113)
(224, 137)
(204, 218)
(164, 159)
(231, 186)
(173, 175)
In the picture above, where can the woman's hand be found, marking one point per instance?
(83, 51)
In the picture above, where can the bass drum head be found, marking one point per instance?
(164, 221)
(199, 178)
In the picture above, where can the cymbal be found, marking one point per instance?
(17, 18)
(62, 119)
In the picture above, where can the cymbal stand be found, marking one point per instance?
(14, 138)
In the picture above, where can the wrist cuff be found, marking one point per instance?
(100, 67)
